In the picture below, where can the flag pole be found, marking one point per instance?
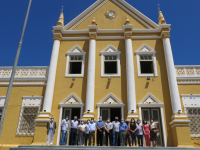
(13, 71)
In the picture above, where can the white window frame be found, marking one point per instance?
(110, 51)
(75, 51)
(2, 102)
(29, 101)
(146, 51)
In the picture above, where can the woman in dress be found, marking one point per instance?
(146, 130)
(153, 132)
(133, 129)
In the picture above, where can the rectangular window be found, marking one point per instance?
(110, 65)
(75, 64)
(27, 122)
(146, 64)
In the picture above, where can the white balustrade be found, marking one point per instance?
(187, 71)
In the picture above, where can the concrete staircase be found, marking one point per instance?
(97, 148)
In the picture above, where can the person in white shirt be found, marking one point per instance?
(109, 128)
(82, 129)
(51, 127)
(87, 131)
(64, 125)
(92, 129)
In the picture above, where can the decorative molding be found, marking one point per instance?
(150, 100)
(146, 50)
(110, 99)
(165, 35)
(93, 8)
(110, 14)
(29, 101)
(188, 81)
(128, 35)
(110, 50)
(93, 35)
(191, 100)
(77, 51)
(24, 83)
(24, 72)
(71, 101)
(57, 36)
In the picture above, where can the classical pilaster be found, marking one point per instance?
(52, 74)
(131, 94)
(89, 106)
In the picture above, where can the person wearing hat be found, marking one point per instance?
(51, 126)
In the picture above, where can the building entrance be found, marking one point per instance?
(110, 113)
(70, 112)
(148, 113)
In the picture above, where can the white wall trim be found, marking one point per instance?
(146, 50)
(75, 51)
(110, 50)
(2, 101)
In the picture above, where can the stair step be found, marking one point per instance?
(33, 147)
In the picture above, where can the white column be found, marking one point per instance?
(171, 72)
(60, 120)
(131, 97)
(91, 77)
(51, 77)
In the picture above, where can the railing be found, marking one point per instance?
(24, 72)
(188, 71)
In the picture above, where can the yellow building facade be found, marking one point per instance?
(109, 61)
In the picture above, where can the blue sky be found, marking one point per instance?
(37, 44)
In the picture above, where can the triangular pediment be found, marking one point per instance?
(110, 49)
(72, 99)
(110, 99)
(145, 48)
(76, 49)
(110, 14)
(150, 99)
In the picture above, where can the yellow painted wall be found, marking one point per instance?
(190, 89)
(9, 136)
(158, 86)
(104, 23)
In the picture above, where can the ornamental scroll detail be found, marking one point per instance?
(110, 14)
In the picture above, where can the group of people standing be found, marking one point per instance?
(125, 131)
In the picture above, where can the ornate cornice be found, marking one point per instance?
(57, 36)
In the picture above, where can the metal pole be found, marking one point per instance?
(13, 71)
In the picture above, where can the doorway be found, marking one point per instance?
(70, 112)
(148, 113)
(109, 113)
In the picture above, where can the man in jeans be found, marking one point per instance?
(100, 127)
(73, 130)
(87, 131)
(109, 128)
(92, 129)
(115, 131)
(64, 125)
(123, 130)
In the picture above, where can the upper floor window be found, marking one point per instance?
(2, 102)
(146, 61)
(110, 62)
(75, 62)
(146, 64)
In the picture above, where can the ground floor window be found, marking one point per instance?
(27, 122)
(194, 117)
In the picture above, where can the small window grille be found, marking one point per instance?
(27, 122)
